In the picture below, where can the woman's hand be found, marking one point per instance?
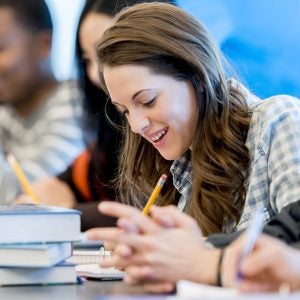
(271, 264)
(109, 235)
(51, 191)
(23, 199)
(164, 248)
(119, 252)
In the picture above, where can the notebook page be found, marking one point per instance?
(87, 256)
(87, 265)
(95, 271)
(192, 291)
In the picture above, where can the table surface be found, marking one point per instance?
(110, 290)
(88, 290)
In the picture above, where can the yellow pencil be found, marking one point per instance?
(22, 178)
(155, 193)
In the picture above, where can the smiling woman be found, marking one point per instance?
(153, 106)
(186, 117)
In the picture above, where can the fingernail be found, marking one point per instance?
(102, 205)
(90, 235)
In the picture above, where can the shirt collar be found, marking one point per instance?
(181, 171)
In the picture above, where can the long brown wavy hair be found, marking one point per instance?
(169, 41)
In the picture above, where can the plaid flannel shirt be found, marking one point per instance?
(274, 146)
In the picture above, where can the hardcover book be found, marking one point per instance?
(31, 223)
(60, 274)
(34, 255)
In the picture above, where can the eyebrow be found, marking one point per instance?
(136, 94)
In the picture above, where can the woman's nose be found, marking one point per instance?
(138, 122)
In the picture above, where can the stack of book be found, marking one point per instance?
(35, 241)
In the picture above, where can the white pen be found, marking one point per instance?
(252, 233)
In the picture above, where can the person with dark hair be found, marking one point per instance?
(227, 153)
(40, 118)
(89, 179)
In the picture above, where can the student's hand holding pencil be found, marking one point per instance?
(154, 248)
(123, 212)
(165, 236)
(110, 245)
(23, 199)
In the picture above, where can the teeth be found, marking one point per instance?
(158, 135)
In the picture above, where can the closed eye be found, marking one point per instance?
(150, 103)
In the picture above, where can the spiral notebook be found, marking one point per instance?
(84, 257)
(87, 265)
(94, 271)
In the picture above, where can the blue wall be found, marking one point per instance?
(261, 39)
